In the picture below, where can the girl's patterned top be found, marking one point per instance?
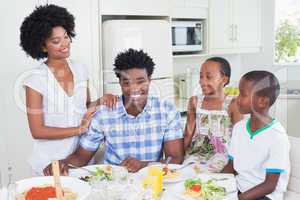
(212, 136)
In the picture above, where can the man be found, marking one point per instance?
(139, 130)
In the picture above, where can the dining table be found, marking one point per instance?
(131, 189)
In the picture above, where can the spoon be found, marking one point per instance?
(56, 176)
(165, 168)
(168, 160)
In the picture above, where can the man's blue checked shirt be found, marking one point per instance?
(141, 137)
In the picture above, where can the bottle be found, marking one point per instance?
(11, 186)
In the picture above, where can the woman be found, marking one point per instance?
(57, 94)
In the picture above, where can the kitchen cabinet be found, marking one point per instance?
(189, 9)
(286, 110)
(234, 26)
(135, 7)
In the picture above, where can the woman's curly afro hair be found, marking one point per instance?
(37, 27)
(132, 58)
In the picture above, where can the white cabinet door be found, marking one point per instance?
(178, 3)
(234, 26)
(286, 110)
(196, 3)
(189, 9)
(247, 21)
(220, 26)
(135, 7)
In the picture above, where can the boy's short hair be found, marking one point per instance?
(37, 27)
(132, 58)
(265, 84)
(225, 68)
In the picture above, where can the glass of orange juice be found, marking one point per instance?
(154, 181)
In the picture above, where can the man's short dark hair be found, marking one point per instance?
(132, 58)
(265, 84)
(225, 68)
(37, 27)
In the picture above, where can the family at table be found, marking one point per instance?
(137, 128)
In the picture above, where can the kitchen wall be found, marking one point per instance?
(15, 142)
(264, 59)
(190, 66)
(182, 65)
(287, 107)
(15, 139)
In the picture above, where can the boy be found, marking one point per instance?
(259, 148)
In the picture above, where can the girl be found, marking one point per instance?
(57, 94)
(210, 117)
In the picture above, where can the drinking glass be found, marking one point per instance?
(154, 181)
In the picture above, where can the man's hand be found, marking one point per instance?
(63, 168)
(133, 165)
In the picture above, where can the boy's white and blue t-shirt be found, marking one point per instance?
(257, 153)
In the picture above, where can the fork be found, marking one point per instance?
(220, 179)
(184, 166)
(85, 169)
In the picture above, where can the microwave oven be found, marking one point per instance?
(187, 36)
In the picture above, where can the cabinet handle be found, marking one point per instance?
(231, 27)
(236, 32)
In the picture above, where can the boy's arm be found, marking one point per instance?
(229, 168)
(261, 190)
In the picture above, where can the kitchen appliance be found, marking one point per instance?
(188, 83)
(154, 37)
(187, 36)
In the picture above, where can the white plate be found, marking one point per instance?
(143, 173)
(81, 188)
(223, 180)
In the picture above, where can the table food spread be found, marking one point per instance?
(110, 182)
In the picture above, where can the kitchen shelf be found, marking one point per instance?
(190, 55)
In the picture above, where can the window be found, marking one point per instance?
(287, 31)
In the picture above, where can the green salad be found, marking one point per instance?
(207, 190)
(103, 174)
(99, 174)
